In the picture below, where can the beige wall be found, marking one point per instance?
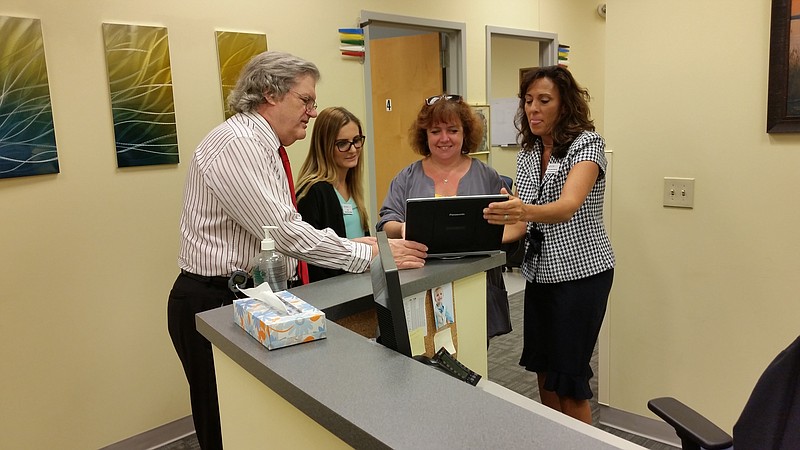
(579, 26)
(88, 255)
(703, 298)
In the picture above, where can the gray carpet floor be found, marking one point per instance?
(504, 369)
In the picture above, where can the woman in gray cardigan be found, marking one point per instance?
(446, 131)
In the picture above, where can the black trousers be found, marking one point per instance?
(192, 294)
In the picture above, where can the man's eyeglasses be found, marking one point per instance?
(449, 97)
(343, 145)
(309, 102)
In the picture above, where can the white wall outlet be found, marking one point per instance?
(679, 192)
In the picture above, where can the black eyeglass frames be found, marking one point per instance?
(449, 97)
(343, 145)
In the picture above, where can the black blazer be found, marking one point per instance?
(321, 208)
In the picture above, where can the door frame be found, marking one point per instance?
(548, 48)
(548, 52)
(454, 42)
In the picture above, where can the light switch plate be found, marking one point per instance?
(679, 192)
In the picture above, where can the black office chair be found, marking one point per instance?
(770, 419)
(508, 183)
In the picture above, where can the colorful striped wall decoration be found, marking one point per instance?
(563, 55)
(351, 42)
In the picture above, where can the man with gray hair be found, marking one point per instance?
(238, 180)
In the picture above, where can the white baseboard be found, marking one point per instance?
(646, 427)
(157, 437)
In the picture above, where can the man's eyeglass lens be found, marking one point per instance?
(449, 97)
(310, 103)
(344, 145)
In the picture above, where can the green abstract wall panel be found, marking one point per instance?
(142, 103)
(27, 135)
(234, 50)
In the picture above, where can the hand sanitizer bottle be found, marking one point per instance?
(269, 265)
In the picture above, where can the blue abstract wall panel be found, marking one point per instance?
(27, 135)
(142, 103)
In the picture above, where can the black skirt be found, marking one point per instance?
(561, 325)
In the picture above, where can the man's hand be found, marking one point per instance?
(408, 254)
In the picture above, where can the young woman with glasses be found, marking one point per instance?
(330, 190)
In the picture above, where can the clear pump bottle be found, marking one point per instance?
(269, 265)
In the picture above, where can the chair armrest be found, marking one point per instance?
(690, 426)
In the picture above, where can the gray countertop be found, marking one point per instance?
(372, 397)
(347, 294)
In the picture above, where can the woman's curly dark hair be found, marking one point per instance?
(574, 116)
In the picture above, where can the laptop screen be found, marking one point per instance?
(453, 226)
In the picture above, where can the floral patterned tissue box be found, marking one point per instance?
(274, 330)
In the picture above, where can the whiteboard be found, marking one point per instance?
(502, 117)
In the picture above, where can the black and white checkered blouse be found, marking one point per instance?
(579, 247)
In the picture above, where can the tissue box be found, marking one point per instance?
(274, 330)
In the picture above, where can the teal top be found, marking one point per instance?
(352, 217)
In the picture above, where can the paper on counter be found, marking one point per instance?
(444, 338)
(416, 338)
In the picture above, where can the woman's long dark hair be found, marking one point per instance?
(573, 118)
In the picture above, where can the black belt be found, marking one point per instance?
(216, 281)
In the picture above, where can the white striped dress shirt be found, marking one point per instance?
(236, 184)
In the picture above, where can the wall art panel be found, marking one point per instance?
(234, 50)
(142, 103)
(27, 135)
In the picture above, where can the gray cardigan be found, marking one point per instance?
(412, 182)
(480, 179)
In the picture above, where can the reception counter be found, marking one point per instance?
(347, 391)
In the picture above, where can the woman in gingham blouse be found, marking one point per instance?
(569, 264)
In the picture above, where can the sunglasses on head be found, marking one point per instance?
(449, 97)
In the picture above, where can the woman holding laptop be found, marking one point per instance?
(569, 263)
(446, 131)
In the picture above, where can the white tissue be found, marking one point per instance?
(263, 293)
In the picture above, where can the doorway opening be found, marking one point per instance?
(406, 59)
(510, 51)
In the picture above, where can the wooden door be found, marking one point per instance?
(405, 71)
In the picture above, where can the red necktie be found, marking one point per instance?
(302, 267)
